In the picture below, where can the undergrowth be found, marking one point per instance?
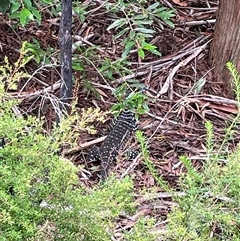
(132, 24)
(41, 197)
(209, 208)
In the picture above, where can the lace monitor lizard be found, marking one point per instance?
(122, 130)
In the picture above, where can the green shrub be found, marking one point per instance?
(209, 210)
(41, 197)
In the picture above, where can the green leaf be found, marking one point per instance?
(139, 17)
(15, 7)
(153, 6)
(25, 15)
(132, 34)
(28, 3)
(110, 73)
(47, 1)
(125, 53)
(121, 33)
(151, 48)
(4, 5)
(117, 24)
(37, 15)
(141, 53)
(145, 107)
(171, 24)
(148, 46)
(117, 106)
(104, 67)
(129, 45)
(165, 14)
(15, 15)
(158, 10)
(156, 52)
(143, 22)
(77, 67)
(145, 30)
(198, 86)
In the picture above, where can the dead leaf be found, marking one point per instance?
(180, 3)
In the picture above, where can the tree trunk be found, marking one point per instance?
(225, 45)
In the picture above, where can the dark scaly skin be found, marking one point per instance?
(122, 130)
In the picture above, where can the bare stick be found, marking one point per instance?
(65, 42)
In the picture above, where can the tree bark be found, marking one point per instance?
(65, 42)
(225, 45)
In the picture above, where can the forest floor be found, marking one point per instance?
(174, 125)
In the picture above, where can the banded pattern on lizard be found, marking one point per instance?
(122, 130)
